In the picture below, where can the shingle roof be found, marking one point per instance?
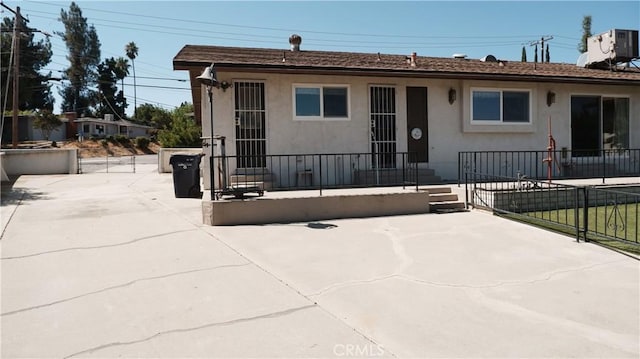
(278, 60)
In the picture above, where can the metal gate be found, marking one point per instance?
(250, 117)
(383, 126)
(105, 164)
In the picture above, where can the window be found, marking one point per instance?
(501, 106)
(100, 129)
(86, 128)
(598, 123)
(321, 102)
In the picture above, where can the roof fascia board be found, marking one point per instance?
(313, 70)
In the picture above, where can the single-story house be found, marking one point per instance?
(109, 126)
(295, 101)
(28, 132)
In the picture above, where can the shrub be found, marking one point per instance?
(142, 143)
(123, 139)
(111, 139)
(104, 142)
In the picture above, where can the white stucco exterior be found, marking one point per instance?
(450, 129)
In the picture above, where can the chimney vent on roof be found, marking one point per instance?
(109, 117)
(295, 40)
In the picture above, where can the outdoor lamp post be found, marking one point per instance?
(208, 79)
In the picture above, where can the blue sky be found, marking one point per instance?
(430, 28)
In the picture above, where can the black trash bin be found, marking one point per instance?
(186, 175)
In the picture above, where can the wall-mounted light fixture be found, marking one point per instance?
(452, 96)
(208, 78)
(551, 98)
(224, 85)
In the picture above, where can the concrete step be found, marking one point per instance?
(442, 197)
(436, 190)
(448, 206)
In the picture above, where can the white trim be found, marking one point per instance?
(501, 91)
(320, 86)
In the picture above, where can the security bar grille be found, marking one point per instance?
(383, 126)
(250, 126)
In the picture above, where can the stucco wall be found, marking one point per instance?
(40, 161)
(164, 155)
(450, 128)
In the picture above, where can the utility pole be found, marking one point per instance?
(17, 31)
(541, 42)
(17, 28)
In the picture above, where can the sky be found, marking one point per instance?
(430, 28)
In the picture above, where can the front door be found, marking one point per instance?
(251, 141)
(382, 113)
(417, 124)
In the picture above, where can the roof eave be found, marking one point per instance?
(415, 73)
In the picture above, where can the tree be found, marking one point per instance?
(132, 52)
(84, 56)
(547, 57)
(155, 116)
(34, 90)
(122, 71)
(46, 122)
(524, 55)
(586, 33)
(183, 130)
(110, 99)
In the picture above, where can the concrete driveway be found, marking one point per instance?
(111, 265)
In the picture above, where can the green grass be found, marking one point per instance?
(620, 223)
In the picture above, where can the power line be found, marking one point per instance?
(208, 23)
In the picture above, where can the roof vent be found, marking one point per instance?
(295, 40)
(489, 58)
(459, 56)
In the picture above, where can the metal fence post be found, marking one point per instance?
(585, 213)
(320, 167)
(604, 165)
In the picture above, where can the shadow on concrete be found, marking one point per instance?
(318, 225)
(13, 196)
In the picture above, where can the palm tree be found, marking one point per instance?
(121, 70)
(132, 51)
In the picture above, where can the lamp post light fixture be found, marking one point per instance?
(208, 79)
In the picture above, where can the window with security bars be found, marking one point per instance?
(383, 126)
(250, 126)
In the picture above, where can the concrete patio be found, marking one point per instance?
(112, 265)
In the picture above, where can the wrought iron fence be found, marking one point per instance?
(311, 171)
(559, 164)
(588, 212)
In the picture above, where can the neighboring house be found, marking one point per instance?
(99, 128)
(275, 101)
(27, 131)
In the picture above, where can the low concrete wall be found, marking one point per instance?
(40, 161)
(282, 210)
(165, 154)
(548, 200)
